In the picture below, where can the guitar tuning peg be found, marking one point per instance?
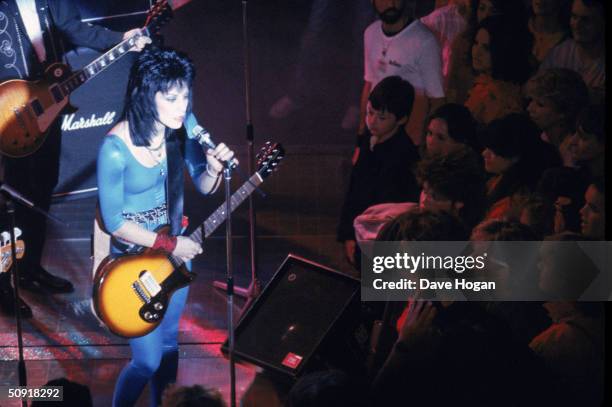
(5, 238)
(17, 233)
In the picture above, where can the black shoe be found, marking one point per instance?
(41, 281)
(7, 303)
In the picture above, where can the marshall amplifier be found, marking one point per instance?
(99, 102)
(306, 318)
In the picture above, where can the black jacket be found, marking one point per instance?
(382, 175)
(60, 23)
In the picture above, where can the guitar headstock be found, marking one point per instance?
(160, 14)
(268, 158)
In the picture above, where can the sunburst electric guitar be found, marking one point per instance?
(28, 108)
(6, 257)
(131, 292)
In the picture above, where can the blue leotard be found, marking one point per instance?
(126, 186)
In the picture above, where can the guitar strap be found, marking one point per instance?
(51, 40)
(175, 152)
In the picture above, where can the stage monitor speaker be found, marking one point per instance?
(306, 318)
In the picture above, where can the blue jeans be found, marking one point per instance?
(155, 355)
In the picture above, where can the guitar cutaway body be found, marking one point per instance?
(131, 292)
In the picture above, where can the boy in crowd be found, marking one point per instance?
(383, 168)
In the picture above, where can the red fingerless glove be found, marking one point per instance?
(165, 243)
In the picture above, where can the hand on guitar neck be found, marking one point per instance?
(141, 41)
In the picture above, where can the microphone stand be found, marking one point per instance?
(13, 195)
(254, 289)
(227, 176)
(21, 368)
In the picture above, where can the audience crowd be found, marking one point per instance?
(513, 149)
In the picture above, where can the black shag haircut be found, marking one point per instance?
(155, 70)
(510, 46)
(393, 94)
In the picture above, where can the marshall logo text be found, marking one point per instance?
(70, 124)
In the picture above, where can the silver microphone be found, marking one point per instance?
(202, 136)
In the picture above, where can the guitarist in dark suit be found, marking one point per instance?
(34, 34)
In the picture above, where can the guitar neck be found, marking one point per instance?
(219, 216)
(100, 64)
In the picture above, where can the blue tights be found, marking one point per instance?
(154, 357)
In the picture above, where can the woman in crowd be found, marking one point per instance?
(515, 156)
(500, 59)
(556, 96)
(450, 128)
(588, 144)
(549, 25)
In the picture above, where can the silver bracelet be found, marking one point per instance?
(210, 173)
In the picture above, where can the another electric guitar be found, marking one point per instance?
(28, 108)
(131, 292)
(6, 257)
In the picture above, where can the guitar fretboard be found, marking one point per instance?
(219, 216)
(99, 64)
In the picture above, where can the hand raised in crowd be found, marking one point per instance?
(186, 248)
(417, 325)
(141, 42)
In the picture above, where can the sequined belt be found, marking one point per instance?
(148, 216)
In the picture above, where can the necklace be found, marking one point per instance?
(386, 45)
(382, 61)
(158, 156)
(161, 144)
(388, 37)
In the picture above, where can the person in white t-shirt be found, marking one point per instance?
(446, 23)
(397, 44)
